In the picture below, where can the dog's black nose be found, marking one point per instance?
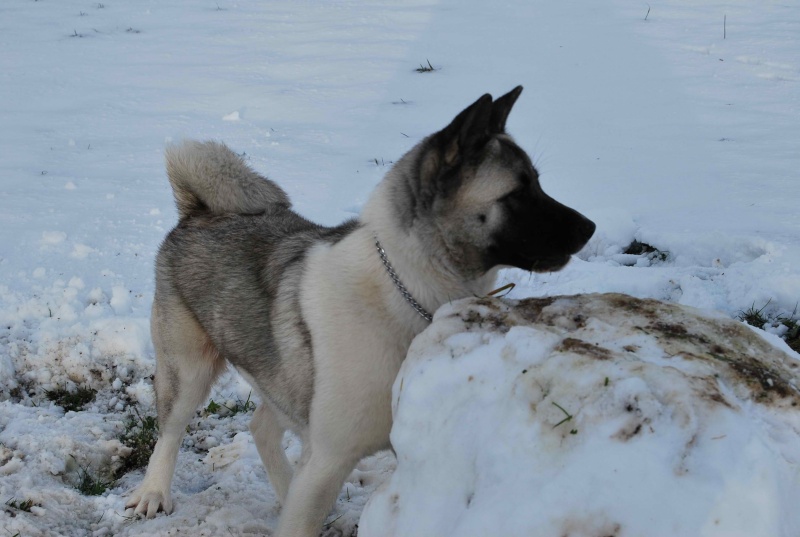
(586, 229)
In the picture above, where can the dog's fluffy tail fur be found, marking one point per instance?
(207, 177)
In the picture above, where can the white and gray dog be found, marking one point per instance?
(319, 319)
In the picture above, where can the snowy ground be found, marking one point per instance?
(659, 130)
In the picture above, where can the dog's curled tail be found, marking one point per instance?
(207, 177)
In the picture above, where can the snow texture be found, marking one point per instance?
(591, 415)
(656, 125)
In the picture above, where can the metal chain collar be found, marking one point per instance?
(400, 287)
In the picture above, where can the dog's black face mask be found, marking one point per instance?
(540, 233)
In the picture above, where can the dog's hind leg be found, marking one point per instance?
(187, 364)
(268, 436)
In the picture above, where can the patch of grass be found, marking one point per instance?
(89, 484)
(237, 407)
(380, 162)
(74, 401)
(755, 317)
(140, 434)
(24, 505)
(243, 406)
(213, 407)
(760, 318)
(642, 248)
(792, 337)
(425, 68)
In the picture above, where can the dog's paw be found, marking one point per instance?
(149, 502)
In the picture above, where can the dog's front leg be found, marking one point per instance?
(311, 495)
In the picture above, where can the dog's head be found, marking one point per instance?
(479, 192)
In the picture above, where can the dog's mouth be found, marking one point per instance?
(550, 264)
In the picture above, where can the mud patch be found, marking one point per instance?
(741, 356)
(631, 430)
(489, 314)
(530, 309)
(738, 355)
(576, 346)
(726, 348)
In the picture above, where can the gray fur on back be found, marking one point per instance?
(207, 176)
(235, 261)
(240, 276)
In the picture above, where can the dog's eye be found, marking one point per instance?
(515, 195)
(482, 218)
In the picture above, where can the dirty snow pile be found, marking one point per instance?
(592, 415)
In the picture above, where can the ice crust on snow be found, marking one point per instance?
(588, 415)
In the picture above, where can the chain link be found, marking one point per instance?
(400, 287)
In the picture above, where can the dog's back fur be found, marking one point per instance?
(239, 247)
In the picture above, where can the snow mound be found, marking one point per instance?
(592, 415)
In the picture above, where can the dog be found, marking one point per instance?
(319, 319)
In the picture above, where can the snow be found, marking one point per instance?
(660, 130)
(591, 415)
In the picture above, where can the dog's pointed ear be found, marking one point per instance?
(469, 129)
(500, 110)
